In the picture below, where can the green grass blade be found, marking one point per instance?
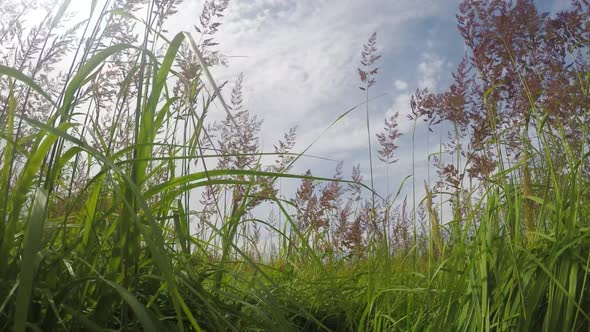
(149, 323)
(152, 235)
(147, 130)
(33, 236)
(18, 75)
(22, 187)
(7, 162)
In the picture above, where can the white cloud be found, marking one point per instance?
(400, 85)
(430, 69)
(300, 56)
(401, 104)
(299, 59)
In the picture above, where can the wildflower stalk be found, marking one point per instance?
(367, 73)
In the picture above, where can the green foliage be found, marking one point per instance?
(99, 226)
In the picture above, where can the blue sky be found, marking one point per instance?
(299, 59)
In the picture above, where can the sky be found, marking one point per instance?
(299, 59)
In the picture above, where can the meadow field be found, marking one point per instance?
(125, 207)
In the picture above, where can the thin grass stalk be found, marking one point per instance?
(372, 216)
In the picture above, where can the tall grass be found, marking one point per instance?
(100, 229)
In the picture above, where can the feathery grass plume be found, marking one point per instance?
(330, 204)
(499, 91)
(324, 212)
(435, 233)
(306, 203)
(368, 71)
(238, 139)
(341, 227)
(388, 142)
(283, 149)
(451, 106)
(353, 240)
(367, 74)
(401, 234)
(387, 139)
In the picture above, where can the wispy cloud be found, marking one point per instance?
(299, 60)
